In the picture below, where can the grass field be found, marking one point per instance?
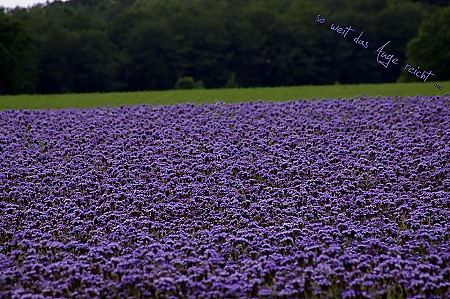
(92, 100)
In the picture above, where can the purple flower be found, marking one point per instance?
(261, 199)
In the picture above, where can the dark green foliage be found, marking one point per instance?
(151, 51)
(189, 83)
(103, 45)
(430, 48)
(185, 83)
(231, 83)
(17, 57)
(434, 2)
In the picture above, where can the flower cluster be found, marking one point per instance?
(345, 198)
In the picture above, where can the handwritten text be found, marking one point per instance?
(320, 19)
(359, 41)
(383, 57)
(416, 71)
(388, 58)
(341, 30)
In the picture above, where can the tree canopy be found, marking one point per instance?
(17, 56)
(126, 45)
(430, 48)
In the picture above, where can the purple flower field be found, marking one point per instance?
(344, 198)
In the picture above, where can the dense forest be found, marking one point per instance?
(126, 45)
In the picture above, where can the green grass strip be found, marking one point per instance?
(92, 100)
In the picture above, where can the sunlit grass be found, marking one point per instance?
(91, 100)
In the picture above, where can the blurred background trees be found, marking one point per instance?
(430, 48)
(18, 63)
(125, 45)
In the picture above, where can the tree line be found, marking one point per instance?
(128, 45)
